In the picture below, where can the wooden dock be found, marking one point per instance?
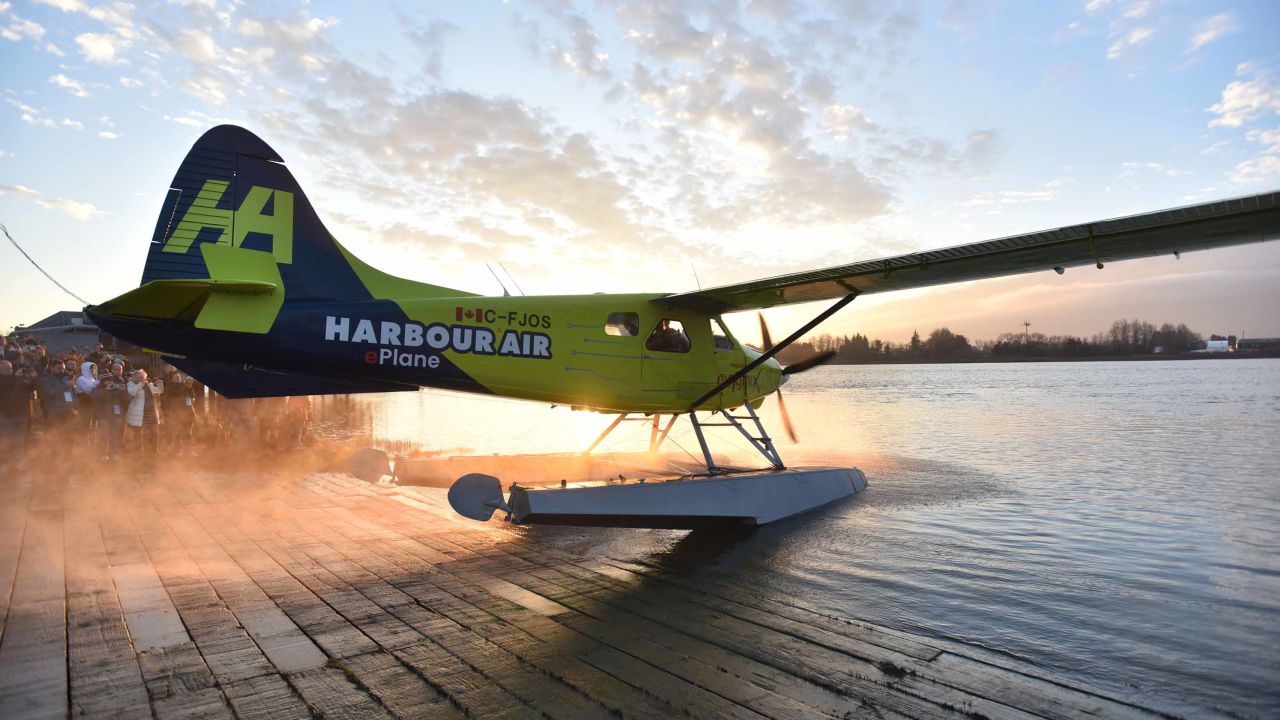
(293, 595)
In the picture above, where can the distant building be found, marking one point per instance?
(1270, 346)
(71, 330)
(1215, 346)
(62, 331)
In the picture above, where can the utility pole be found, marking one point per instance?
(1026, 331)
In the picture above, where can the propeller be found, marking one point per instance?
(796, 367)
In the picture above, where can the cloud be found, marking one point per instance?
(429, 40)
(74, 124)
(583, 54)
(1269, 138)
(664, 32)
(188, 121)
(1215, 148)
(1246, 100)
(79, 210)
(69, 85)
(31, 115)
(1009, 197)
(198, 46)
(54, 50)
(1256, 171)
(736, 125)
(979, 151)
(17, 29)
(65, 5)
(101, 48)
(208, 87)
(740, 134)
(403, 233)
(1263, 168)
(250, 27)
(1211, 29)
(1132, 169)
(108, 135)
(1135, 37)
(1138, 9)
(844, 121)
(19, 190)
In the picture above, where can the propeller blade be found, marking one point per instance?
(786, 419)
(765, 340)
(808, 363)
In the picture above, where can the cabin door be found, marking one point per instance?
(677, 362)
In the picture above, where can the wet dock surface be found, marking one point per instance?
(302, 594)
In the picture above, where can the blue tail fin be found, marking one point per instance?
(232, 190)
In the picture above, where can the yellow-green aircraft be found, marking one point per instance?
(246, 290)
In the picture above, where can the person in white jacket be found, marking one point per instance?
(143, 416)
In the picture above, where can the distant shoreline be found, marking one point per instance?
(1089, 358)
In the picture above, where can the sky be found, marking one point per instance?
(650, 147)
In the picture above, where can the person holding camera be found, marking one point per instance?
(179, 402)
(15, 412)
(111, 400)
(57, 396)
(143, 416)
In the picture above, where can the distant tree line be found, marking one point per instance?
(1123, 338)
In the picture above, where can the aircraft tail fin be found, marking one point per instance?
(234, 213)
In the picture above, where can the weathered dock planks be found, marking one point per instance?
(293, 595)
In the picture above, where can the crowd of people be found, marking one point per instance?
(110, 409)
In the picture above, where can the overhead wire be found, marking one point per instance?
(44, 272)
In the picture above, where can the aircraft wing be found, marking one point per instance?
(1252, 218)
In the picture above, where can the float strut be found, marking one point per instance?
(662, 437)
(706, 452)
(618, 420)
(762, 442)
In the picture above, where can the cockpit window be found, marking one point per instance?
(668, 336)
(626, 324)
(720, 337)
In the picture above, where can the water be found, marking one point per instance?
(1113, 523)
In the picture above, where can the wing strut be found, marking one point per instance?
(764, 357)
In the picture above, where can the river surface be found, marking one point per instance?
(1116, 524)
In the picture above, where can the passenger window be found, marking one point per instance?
(668, 336)
(622, 323)
(720, 337)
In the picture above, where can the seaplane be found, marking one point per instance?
(245, 290)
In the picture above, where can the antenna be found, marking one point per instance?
(511, 278)
(695, 274)
(505, 291)
(1026, 331)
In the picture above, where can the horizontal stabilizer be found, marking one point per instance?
(178, 299)
(239, 381)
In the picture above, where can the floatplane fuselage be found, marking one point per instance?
(610, 353)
